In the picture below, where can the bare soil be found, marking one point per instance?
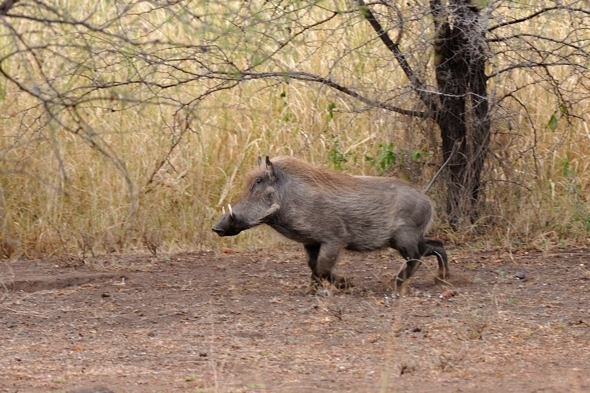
(241, 322)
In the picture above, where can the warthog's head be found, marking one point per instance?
(257, 204)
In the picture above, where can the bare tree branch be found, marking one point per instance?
(536, 14)
(304, 76)
(418, 86)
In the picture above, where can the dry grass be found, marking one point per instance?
(153, 193)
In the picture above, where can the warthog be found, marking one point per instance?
(328, 211)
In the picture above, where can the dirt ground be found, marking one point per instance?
(241, 322)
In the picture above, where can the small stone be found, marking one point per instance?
(449, 293)
(520, 275)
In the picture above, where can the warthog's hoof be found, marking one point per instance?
(320, 290)
(320, 286)
(312, 289)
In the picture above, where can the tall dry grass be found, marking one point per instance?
(170, 171)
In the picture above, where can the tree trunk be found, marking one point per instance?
(460, 56)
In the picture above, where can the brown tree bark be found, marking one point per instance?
(460, 107)
(463, 113)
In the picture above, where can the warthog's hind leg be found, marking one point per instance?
(408, 246)
(430, 247)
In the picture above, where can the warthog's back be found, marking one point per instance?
(362, 212)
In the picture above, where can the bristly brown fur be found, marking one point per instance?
(313, 175)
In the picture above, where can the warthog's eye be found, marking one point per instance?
(256, 182)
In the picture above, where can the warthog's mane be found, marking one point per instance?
(322, 178)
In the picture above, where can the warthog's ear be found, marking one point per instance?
(270, 170)
(259, 162)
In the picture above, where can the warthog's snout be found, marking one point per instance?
(226, 225)
(218, 230)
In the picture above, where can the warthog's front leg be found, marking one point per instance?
(321, 260)
(312, 251)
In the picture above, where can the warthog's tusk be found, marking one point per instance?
(231, 213)
(223, 209)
